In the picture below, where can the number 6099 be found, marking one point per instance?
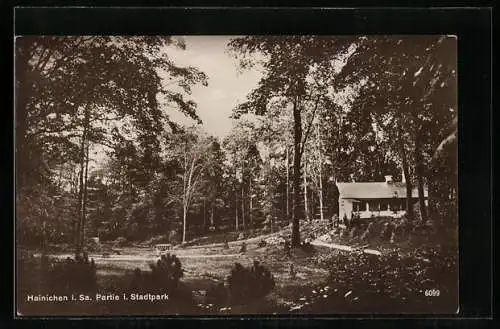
(432, 292)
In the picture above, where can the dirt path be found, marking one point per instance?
(129, 258)
(320, 243)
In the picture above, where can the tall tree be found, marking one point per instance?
(241, 146)
(410, 82)
(72, 88)
(194, 152)
(287, 63)
(213, 180)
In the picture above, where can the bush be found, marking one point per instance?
(403, 227)
(243, 248)
(121, 242)
(28, 272)
(164, 276)
(173, 237)
(217, 295)
(368, 232)
(72, 275)
(393, 282)
(387, 230)
(248, 284)
(307, 247)
(156, 240)
(64, 277)
(78, 276)
(93, 246)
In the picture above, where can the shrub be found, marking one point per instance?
(403, 227)
(387, 230)
(307, 247)
(393, 282)
(243, 247)
(292, 271)
(287, 246)
(93, 246)
(173, 237)
(74, 275)
(48, 275)
(121, 242)
(28, 272)
(156, 240)
(163, 277)
(217, 295)
(248, 284)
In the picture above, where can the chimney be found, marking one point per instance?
(388, 179)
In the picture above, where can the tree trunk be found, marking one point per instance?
(409, 187)
(243, 206)
(184, 195)
(419, 163)
(321, 207)
(250, 219)
(184, 223)
(85, 197)
(320, 162)
(79, 208)
(236, 211)
(22, 94)
(79, 225)
(287, 183)
(204, 217)
(297, 134)
(236, 199)
(212, 216)
(269, 193)
(306, 210)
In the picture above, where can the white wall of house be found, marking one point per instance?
(384, 213)
(346, 207)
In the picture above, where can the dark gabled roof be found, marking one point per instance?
(375, 190)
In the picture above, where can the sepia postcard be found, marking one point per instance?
(236, 175)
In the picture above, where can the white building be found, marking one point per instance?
(374, 198)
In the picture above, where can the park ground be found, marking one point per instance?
(301, 276)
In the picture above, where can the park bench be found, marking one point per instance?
(162, 248)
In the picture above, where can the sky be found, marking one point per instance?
(227, 86)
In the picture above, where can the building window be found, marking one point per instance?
(397, 204)
(384, 205)
(373, 205)
(356, 206)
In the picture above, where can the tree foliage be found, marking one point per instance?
(72, 92)
(97, 154)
